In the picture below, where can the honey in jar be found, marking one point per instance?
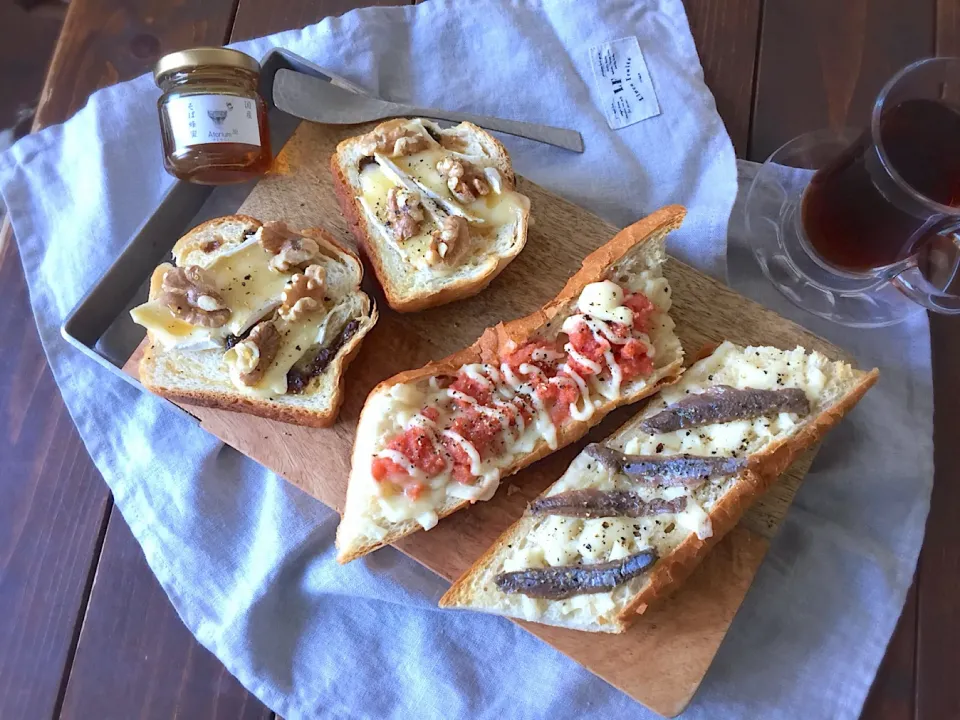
(212, 119)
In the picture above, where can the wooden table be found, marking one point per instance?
(85, 630)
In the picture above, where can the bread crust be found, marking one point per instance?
(498, 340)
(185, 243)
(457, 290)
(765, 468)
(670, 571)
(262, 407)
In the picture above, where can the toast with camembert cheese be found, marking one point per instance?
(631, 517)
(432, 441)
(435, 211)
(255, 318)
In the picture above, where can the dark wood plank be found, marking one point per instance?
(104, 42)
(938, 652)
(55, 504)
(256, 17)
(136, 659)
(822, 62)
(948, 28)
(24, 55)
(51, 517)
(893, 693)
(938, 621)
(726, 34)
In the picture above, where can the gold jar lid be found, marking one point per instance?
(195, 57)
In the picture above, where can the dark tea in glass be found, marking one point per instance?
(862, 227)
(858, 217)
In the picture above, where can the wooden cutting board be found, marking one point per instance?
(662, 660)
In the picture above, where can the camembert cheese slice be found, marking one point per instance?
(418, 172)
(245, 282)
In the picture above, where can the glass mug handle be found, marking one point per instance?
(936, 297)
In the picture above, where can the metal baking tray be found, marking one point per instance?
(100, 325)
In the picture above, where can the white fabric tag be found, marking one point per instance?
(623, 82)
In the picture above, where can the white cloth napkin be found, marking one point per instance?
(247, 559)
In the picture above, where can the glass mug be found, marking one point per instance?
(880, 209)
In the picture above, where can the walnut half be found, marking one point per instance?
(273, 235)
(393, 141)
(304, 293)
(255, 353)
(288, 248)
(449, 240)
(465, 181)
(404, 213)
(190, 293)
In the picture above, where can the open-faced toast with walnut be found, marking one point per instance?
(633, 516)
(434, 440)
(257, 318)
(435, 210)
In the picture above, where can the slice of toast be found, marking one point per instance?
(678, 536)
(285, 316)
(435, 211)
(379, 512)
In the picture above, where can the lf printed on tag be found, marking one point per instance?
(623, 82)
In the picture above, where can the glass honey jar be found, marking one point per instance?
(212, 119)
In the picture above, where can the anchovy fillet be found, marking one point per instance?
(597, 503)
(564, 581)
(689, 470)
(723, 403)
(300, 375)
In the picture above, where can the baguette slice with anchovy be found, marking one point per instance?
(255, 318)
(435, 210)
(433, 440)
(632, 517)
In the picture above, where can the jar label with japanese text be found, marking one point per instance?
(204, 119)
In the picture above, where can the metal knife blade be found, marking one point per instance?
(319, 101)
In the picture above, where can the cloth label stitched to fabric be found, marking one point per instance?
(202, 119)
(623, 82)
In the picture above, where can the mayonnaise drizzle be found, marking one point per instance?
(581, 360)
(476, 466)
(421, 420)
(546, 355)
(478, 375)
(588, 407)
(512, 394)
(601, 328)
(616, 374)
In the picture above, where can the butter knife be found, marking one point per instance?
(317, 100)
